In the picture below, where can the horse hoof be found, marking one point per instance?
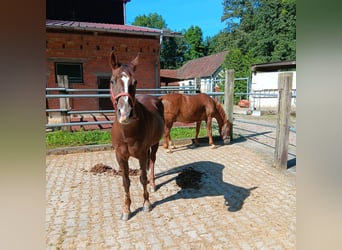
(147, 208)
(213, 147)
(125, 216)
(226, 142)
(169, 151)
(153, 189)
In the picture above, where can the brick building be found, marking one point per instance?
(80, 47)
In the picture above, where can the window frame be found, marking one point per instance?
(71, 79)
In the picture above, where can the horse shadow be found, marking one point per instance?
(203, 179)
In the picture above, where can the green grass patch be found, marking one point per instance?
(61, 138)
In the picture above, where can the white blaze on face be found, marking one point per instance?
(125, 109)
(125, 79)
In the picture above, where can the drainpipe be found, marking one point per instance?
(157, 76)
(124, 9)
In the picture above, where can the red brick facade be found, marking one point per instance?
(92, 49)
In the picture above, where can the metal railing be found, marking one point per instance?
(155, 92)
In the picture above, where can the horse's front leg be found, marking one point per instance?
(126, 211)
(210, 133)
(144, 161)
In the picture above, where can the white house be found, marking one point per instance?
(264, 87)
(208, 68)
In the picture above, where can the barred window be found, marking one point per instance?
(74, 71)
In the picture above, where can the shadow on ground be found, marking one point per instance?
(202, 179)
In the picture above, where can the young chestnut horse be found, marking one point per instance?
(138, 127)
(194, 108)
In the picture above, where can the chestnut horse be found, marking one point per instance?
(194, 108)
(137, 129)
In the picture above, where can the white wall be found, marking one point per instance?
(268, 81)
(207, 84)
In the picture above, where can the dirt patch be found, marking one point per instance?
(189, 178)
(101, 168)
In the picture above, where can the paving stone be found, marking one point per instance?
(83, 210)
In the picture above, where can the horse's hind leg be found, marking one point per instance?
(151, 178)
(198, 125)
(143, 179)
(168, 144)
(210, 133)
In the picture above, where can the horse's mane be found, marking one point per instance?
(220, 110)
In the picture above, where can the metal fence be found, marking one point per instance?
(104, 93)
(82, 93)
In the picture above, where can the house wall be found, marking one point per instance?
(93, 50)
(267, 82)
(207, 84)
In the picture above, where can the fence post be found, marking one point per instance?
(283, 126)
(198, 84)
(62, 82)
(229, 97)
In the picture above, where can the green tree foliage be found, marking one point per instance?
(241, 64)
(152, 20)
(264, 28)
(171, 54)
(194, 43)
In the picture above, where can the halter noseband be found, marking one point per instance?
(115, 98)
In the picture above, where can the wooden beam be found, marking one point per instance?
(229, 98)
(62, 82)
(283, 122)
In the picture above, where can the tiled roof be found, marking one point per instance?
(105, 27)
(169, 73)
(201, 67)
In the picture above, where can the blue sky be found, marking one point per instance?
(181, 14)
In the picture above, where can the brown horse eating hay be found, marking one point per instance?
(194, 108)
(137, 129)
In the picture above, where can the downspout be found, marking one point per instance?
(124, 10)
(157, 71)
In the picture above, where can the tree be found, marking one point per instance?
(217, 43)
(172, 53)
(264, 28)
(241, 65)
(194, 43)
(152, 20)
(172, 48)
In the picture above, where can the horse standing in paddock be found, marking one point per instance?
(194, 108)
(137, 129)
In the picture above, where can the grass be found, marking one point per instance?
(61, 138)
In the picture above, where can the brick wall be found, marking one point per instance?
(93, 50)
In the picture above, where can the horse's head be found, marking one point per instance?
(122, 88)
(225, 131)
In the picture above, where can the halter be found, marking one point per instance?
(115, 98)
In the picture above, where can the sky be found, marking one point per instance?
(181, 14)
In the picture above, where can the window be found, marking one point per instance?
(72, 70)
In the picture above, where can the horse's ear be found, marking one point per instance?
(113, 60)
(135, 62)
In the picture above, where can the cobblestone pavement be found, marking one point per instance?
(261, 139)
(83, 209)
